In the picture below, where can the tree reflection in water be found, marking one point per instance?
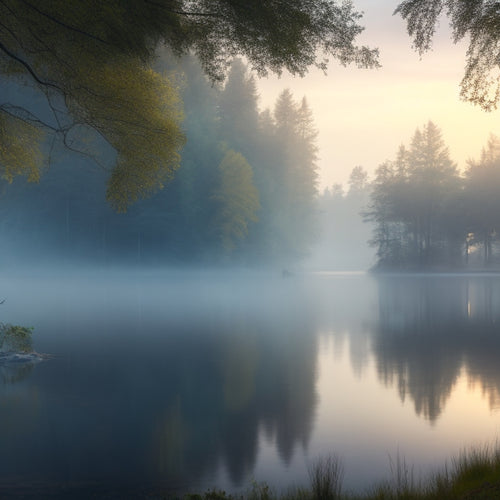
(430, 328)
(175, 384)
(253, 378)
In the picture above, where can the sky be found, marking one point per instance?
(362, 116)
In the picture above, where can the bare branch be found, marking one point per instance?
(63, 24)
(27, 116)
(28, 68)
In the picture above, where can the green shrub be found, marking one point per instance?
(15, 338)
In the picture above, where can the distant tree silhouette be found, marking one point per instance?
(409, 203)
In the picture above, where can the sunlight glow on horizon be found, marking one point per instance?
(362, 116)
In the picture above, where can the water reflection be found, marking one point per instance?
(176, 383)
(165, 386)
(245, 378)
(11, 373)
(432, 327)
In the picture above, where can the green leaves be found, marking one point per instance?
(20, 152)
(91, 62)
(88, 60)
(237, 200)
(15, 338)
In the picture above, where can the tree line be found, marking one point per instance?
(428, 215)
(86, 75)
(82, 75)
(86, 69)
(244, 192)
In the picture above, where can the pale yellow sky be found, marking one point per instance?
(363, 115)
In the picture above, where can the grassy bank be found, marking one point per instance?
(473, 474)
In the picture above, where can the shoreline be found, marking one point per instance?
(472, 474)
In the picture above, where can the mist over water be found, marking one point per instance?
(127, 173)
(165, 381)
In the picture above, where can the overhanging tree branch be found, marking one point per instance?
(63, 24)
(92, 60)
(29, 69)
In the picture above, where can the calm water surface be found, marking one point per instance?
(164, 382)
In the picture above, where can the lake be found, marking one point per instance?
(163, 382)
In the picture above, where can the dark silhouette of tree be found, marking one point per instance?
(482, 195)
(425, 214)
(433, 178)
(390, 234)
(411, 200)
(477, 21)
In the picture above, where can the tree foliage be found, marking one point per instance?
(410, 199)
(477, 21)
(483, 198)
(237, 200)
(427, 215)
(19, 154)
(290, 155)
(15, 338)
(92, 79)
(91, 63)
(239, 194)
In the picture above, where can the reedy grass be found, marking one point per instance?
(473, 474)
(326, 475)
(472, 470)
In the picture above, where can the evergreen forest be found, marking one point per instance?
(429, 215)
(244, 192)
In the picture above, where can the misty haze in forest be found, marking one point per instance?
(246, 194)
